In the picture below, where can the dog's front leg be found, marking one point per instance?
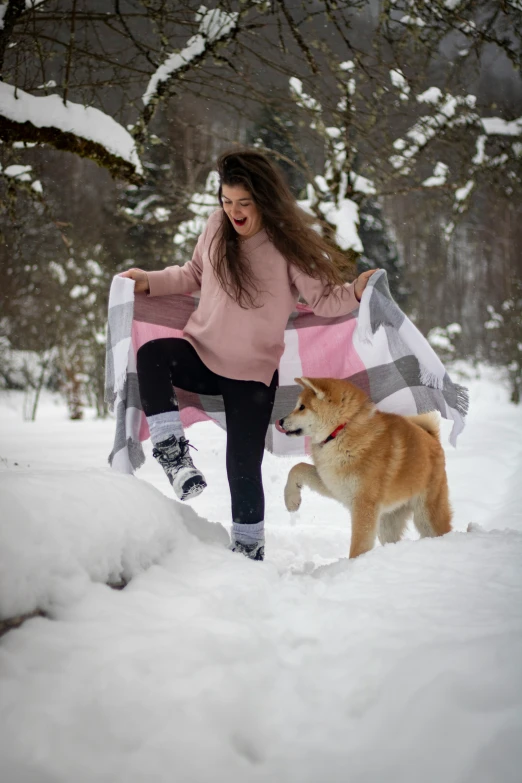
(302, 475)
(365, 519)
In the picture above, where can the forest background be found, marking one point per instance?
(397, 122)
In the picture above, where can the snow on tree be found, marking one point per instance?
(214, 25)
(91, 132)
(202, 204)
(504, 327)
(84, 130)
(381, 106)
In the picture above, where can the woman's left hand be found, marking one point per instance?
(361, 282)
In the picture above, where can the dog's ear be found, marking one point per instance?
(313, 384)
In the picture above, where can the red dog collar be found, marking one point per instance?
(332, 435)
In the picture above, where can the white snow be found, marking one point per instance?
(47, 85)
(301, 97)
(49, 111)
(403, 665)
(399, 80)
(468, 27)
(332, 133)
(431, 95)
(480, 155)
(18, 172)
(438, 178)
(462, 193)
(428, 126)
(214, 25)
(202, 205)
(413, 20)
(496, 125)
(345, 217)
(130, 526)
(362, 184)
(440, 339)
(454, 328)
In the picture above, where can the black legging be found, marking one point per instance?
(173, 361)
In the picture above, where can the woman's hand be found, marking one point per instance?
(361, 282)
(140, 278)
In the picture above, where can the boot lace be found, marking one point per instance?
(173, 454)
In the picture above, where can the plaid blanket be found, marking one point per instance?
(376, 347)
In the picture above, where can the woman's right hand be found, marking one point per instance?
(140, 278)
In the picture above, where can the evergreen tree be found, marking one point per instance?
(380, 249)
(273, 130)
(504, 327)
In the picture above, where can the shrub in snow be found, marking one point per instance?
(444, 340)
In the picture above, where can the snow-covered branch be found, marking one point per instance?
(216, 27)
(89, 132)
(449, 111)
(481, 145)
(84, 130)
(329, 196)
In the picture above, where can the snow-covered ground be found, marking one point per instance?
(404, 665)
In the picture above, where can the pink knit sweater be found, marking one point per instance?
(246, 344)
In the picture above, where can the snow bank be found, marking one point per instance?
(60, 530)
(403, 665)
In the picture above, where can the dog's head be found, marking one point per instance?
(323, 405)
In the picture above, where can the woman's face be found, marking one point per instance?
(241, 210)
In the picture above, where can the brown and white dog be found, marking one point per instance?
(381, 466)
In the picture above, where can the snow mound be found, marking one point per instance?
(60, 530)
(402, 665)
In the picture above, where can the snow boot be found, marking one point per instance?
(255, 551)
(173, 456)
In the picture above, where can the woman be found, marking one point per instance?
(255, 257)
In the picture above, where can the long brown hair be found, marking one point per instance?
(288, 226)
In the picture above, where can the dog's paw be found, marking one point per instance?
(292, 496)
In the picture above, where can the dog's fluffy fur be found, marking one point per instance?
(381, 466)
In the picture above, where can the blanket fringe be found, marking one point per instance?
(462, 404)
(429, 378)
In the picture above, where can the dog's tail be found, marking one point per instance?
(428, 422)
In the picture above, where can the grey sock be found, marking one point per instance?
(248, 534)
(163, 425)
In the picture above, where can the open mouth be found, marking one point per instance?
(240, 222)
(279, 427)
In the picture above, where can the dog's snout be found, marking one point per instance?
(280, 425)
